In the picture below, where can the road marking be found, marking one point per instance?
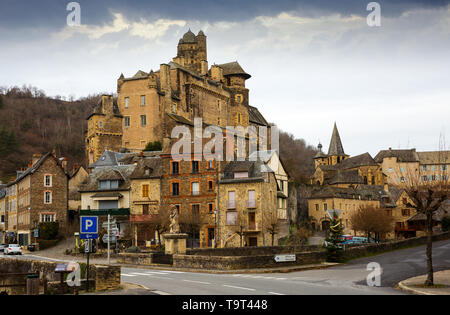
(140, 274)
(280, 278)
(235, 287)
(193, 281)
(127, 275)
(275, 293)
(170, 271)
(157, 272)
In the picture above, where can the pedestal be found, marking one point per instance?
(175, 243)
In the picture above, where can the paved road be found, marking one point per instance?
(346, 279)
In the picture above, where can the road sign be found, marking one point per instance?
(112, 222)
(285, 258)
(88, 236)
(112, 238)
(89, 225)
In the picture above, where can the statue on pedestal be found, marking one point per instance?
(174, 226)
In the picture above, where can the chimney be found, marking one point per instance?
(36, 158)
(64, 164)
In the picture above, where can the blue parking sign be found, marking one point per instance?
(88, 225)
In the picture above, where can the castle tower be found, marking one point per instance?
(192, 51)
(104, 129)
(336, 152)
(320, 158)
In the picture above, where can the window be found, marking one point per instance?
(47, 218)
(143, 120)
(127, 102)
(174, 108)
(405, 212)
(210, 185)
(195, 186)
(432, 167)
(100, 124)
(175, 167)
(142, 100)
(48, 197)
(424, 167)
(195, 210)
(145, 191)
(175, 189)
(108, 184)
(210, 164)
(195, 166)
(389, 213)
(402, 169)
(231, 217)
(281, 185)
(317, 207)
(402, 179)
(210, 208)
(239, 98)
(325, 207)
(251, 199)
(231, 204)
(48, 180)
(126, 121)
(145, 209)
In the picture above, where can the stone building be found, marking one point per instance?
(150, 104)
(247, 204)
(145, 196)
(339, 169)
(38, 194)
(404, 166)
(104, 129)
(350, 199)
(3, 214)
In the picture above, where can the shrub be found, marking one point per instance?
(48, 230)
(153, 146)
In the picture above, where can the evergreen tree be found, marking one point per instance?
(153, 146)
(334, 240)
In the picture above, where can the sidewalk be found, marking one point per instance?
(414, 285)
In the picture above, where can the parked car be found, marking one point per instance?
(13, 249)
(32, 247)
(2, 247)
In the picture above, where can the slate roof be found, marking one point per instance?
(409, 155)
(107, 195)
(255, 116)
(153, 164)
(364, 159)
(234, 68)
(335, 147)
(188, 37)
(122, 172)
(254, 169)
(345, 177)
(366, 192)
(108, 158)
(434, 157)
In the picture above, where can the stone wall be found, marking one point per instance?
(251, 251)
(244, 262)
(144, 258)
(105, 277)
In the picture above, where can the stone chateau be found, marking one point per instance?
(150, 104)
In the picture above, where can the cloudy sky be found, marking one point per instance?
(312, 63)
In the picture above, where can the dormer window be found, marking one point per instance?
(108, 184)
(241, 175)
(147, 172)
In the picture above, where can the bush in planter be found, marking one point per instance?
(133, 249)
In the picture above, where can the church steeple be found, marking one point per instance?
(336, 152)
(335, 147)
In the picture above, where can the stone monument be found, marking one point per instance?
(175, 241)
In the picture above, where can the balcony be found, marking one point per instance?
(251, 203)
(231, 204)
(252, 227)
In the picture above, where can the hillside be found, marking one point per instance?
(31, 122)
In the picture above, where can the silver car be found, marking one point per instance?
(13, 249)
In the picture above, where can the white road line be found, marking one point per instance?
(280, 278)
(127, 275)
(170, 271)
(235, 287)
(140, 274)
(275, 293)
(157, 273)
(193, 281)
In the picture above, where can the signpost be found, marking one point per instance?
(89, 232)
(285, 258)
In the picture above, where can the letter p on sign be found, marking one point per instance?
(88, 225)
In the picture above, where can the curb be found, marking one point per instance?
(403, 287)
(285, 270)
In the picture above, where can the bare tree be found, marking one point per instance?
(270, 221)
(160, 221)
(240, 226)
(190, 222)
(427, 198)
(370, 219)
